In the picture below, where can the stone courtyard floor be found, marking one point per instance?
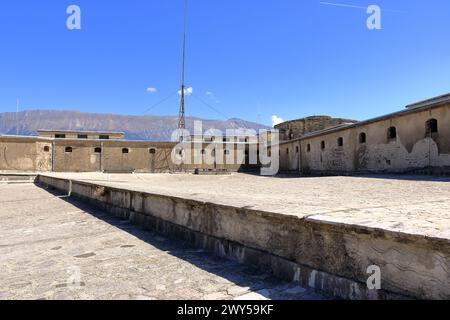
(52, 247)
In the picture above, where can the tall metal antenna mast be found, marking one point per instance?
(182, 115)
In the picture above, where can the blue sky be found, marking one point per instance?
(248, 59)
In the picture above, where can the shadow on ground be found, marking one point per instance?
(258, 282)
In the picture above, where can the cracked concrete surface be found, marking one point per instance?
(52, 247)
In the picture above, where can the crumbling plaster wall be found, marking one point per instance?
(82, 157)
(413, 148)
(25, 154)
(114, 156)
(297, 128)
(75, 155)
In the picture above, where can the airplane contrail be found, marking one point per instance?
(342, 5)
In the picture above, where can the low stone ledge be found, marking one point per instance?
(17, 177)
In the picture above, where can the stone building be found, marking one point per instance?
(72, 151)
(415, 138)
(83, 155)
(295, 129)
(64, 134)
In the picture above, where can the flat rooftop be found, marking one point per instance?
(79, 131)
(410, 205)
(54, 247)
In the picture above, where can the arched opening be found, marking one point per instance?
(152, 151)
(69, 150)
(308, 147)
(322, 145)
(340, 142)
(125, 150)
(98, 150)
(46, 149)
(362, 138)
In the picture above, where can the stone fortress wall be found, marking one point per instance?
(25, 154)
(295, 129)
(40, 154)
(413, 139)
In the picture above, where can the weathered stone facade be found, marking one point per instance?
(416, 138)
(39, 154)
(298, 128)
(25, 154)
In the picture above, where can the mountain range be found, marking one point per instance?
(147, 127)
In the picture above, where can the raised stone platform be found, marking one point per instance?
(321, 232)
(57, 247)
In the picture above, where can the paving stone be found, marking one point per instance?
(259, 295)
(216, 296)
(237, 290)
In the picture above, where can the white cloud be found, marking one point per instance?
(209, 93)
(152, 90)
(276, 120)
(187, 91)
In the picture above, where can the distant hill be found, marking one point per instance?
(154, 128)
